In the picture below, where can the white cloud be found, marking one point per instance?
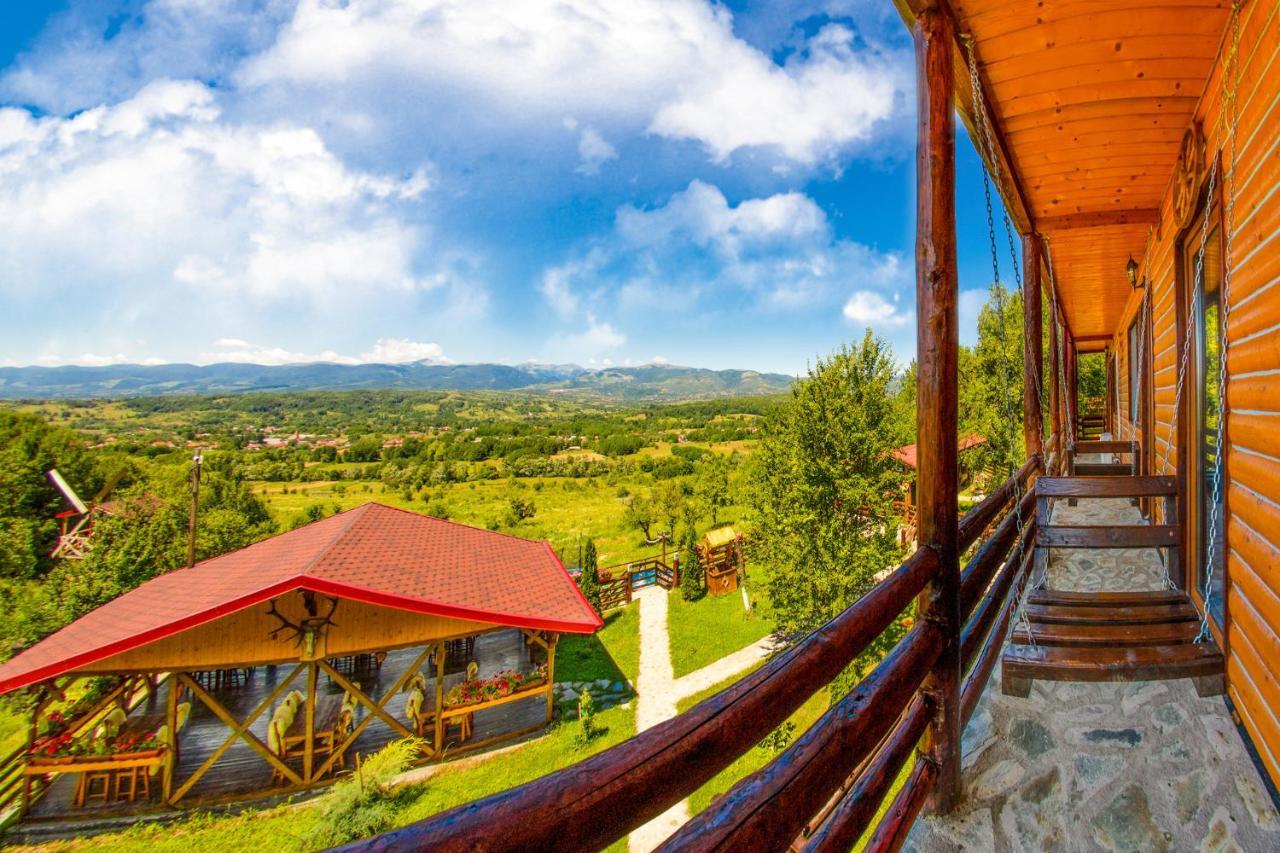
(588, 346)
(772, 253)
(159, 196)
(383, 351)
(400, 350)
(673, 67)
(871, 309)
(593, 151)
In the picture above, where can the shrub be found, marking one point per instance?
(366, 803)
(589, 580)
(587, 728)
(693, 581)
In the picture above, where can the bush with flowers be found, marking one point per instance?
(496, 686)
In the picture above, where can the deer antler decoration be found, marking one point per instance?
(306, 633)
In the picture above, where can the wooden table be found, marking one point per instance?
(330, 725)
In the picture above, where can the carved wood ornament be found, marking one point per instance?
(1187, 174)
(308, 634)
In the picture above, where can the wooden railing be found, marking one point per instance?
(840, 769)
(128, 694)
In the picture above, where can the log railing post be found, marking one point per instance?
(937, 346)
(1073, 382)
(1054, 381)
(1032, 348)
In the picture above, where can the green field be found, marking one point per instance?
(706, 630)
(613, 652)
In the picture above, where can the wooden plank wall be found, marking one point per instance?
(1253, 392)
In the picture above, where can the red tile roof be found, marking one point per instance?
(374, 553)
(907, 454)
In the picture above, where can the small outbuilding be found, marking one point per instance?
(268, 665)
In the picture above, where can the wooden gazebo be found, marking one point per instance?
(363, 599)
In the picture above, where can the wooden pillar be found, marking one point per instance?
(309, 749)
(171, 720)
(1071, 403)
(438, 733)
(1033, 347)
(551, 675)
(937, 346)
(1054, 382)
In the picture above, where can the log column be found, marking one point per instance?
(1054, 381)
(1032, 347)
(937, 344)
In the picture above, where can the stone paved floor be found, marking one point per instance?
(1117, 767)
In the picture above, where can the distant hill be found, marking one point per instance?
(651, 382)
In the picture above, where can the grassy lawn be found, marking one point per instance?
(612, 653)
(282, 829)
(706, 630)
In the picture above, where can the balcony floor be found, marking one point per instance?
(1139, 766)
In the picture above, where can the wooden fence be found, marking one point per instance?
(620, 581)
(822, 793)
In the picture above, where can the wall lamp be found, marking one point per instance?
(1131, 272)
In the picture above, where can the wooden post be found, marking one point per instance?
(1033, 347)
(438, 733)
(1055, 387)
(551, 675)
(309, 750)
(937, 336)
(171, 719)
(1073, 382)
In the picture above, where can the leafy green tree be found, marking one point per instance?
(641, 513)
(992, 405)
(589, 579)
(713, 485)
(823, 482)
(693, 581)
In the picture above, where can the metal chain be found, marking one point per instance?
(1231, 71)
(1015, 555)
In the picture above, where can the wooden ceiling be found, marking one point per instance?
(1093, 97)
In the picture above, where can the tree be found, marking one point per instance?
(713, 485)
(823, 484)
(589, 579)
(693, 582)
(641, 514)
(993, 405)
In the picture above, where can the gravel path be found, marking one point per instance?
(659, 690)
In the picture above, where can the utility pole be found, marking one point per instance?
(196, 461)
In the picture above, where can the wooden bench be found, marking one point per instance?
(1140, 635)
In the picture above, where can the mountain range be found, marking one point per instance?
(648, 382)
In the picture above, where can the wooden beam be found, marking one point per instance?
(937, 336)
(551, 672)
(437, 729)
(1007, 178)
(1033, 346)
(238, 730)
(378, 708)
(1098, 219)
(1055, 401)
(171, 718)
(309, 748)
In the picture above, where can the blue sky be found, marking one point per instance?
(599, 182)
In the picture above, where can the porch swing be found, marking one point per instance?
(1130, 635)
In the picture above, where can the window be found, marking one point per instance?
(1135, 371)
(1203, 287)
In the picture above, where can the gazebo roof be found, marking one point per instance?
(375, 554)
